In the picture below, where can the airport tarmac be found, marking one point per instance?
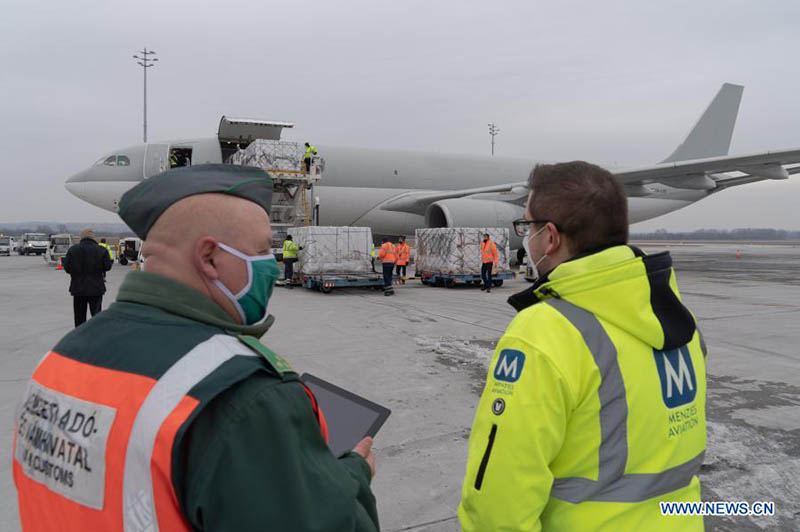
(424, 354)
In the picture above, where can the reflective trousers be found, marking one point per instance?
(388, 271)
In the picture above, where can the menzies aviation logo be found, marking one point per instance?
(509, 365)
(678, 381)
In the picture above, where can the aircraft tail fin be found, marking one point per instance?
(711, 135)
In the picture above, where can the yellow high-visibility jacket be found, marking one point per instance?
(290, 249)
(594, 406)
(108, 248)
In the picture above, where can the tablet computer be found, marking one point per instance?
(350, 417)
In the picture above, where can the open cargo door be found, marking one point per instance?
(238, 133)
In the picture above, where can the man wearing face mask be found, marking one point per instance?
(594, 407)
(166, 412)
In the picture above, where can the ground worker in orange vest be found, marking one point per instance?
(489, 258)
(388, 256)
(403, 256)
(165, 412)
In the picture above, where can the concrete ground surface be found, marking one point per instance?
(424, 354)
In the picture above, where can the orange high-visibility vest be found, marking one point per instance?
(106, 465)
(93, 446)
(387, 253)
(403, 254)
(489, 252)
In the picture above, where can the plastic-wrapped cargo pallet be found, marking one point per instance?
(270, 154)
(457, 250)
(329, 250)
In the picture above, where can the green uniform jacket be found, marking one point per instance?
(594, 406)
(289, 249)
(251, 456)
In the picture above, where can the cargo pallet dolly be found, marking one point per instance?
(325, 283)
(450, 280)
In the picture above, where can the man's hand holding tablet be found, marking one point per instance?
(364, 449)
(352, 420)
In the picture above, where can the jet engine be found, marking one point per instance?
(464, 212)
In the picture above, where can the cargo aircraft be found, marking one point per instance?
(395, 192)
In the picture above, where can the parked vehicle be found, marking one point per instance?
(129, 250)
(5, 245)
(57, 248)
(33, 244)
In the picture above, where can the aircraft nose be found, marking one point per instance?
(76, 185)
(80, 177)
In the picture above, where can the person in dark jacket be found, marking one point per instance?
(86, 263)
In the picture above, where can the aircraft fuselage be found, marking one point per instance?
(356, 181)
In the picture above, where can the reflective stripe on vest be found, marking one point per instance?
(488, 251)
(612, 484)
(124, 479)
(403, 254)
(290, 249)
(388, 252)
(137, 491)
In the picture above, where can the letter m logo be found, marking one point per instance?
(509, 365)
(678, 381)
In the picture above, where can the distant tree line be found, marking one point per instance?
(52, 229)
(720, 234)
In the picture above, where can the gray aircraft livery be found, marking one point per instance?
(395, 192)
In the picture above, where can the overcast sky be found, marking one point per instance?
(609, 82)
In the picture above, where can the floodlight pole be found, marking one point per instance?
(493, 131)
(145, 61)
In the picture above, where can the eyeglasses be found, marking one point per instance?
(522, 225)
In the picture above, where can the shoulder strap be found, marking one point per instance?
(275, 361)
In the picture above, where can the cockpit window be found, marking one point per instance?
(113, 160)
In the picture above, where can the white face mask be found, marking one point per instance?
(533, 263)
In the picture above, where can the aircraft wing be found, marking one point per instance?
(715, 172)
(416, 202)
(700, 162)
(712, 174)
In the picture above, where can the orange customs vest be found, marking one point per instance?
(93, 445)
(403, 254)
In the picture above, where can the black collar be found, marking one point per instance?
(522, 300)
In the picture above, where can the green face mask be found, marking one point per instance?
(251, 301)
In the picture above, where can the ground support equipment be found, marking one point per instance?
(325, 283)
(450, 280)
